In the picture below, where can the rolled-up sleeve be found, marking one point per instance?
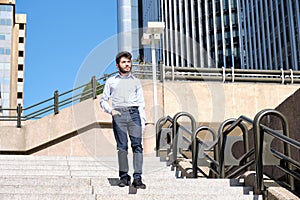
(141, 104)
(104, 104)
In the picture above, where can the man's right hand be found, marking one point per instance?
(115, 112)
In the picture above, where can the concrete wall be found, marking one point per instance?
(290, 108)
(84, 129)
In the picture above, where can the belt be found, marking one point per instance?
(130, 108)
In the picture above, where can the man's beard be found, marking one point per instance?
(123, 71)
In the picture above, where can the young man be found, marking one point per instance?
(128, 116)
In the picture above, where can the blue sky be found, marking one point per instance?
(60, 36)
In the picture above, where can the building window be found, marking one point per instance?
(21, 40)
(20, 67)
(20, 80)
(20, 95)
(22, 27)
(5, 8)
(6, 22)
(4, 51)
(21, 53)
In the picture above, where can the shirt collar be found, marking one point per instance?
(129, 76)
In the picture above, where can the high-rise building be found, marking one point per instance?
(199, 33)
(244, 34)
(128, 26)
(12, 54)
(271, 31)
(149, 11)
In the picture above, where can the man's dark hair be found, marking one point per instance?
(121, 54)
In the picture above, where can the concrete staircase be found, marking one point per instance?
(68, 178)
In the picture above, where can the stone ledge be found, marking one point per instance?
(274, 190)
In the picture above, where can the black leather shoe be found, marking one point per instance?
(124, 181)
(137, 183)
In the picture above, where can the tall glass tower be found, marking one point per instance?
(271, 31)
(12, 54)
(150, 11)
(242, 34)
(128, 24)
(202, 33)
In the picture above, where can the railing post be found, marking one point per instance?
(162, 70)
(232, 73)
(173, 75)
(175, 131)
(259, 145)
(282, 76)
(56, 109)
(94, 87)
(105, 76)
(19, 112)
(195, 147)
(292, 76)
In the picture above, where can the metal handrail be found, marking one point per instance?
(48, 108)
(223, 136)
(259, 132)
(217, 163)
(37, 104)
(175, 130)
(160, 123)
(54, 103)
(230, 75)
(287, 163)
(195, 147)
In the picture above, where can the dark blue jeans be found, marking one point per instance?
(128, 122)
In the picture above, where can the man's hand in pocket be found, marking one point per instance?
(115, 112)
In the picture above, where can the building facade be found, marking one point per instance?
(128, 26)
(12, 55)
(271, 30)
(242, 34)
(150, 12)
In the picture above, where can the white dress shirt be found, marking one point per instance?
(124, 91)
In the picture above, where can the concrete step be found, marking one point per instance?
(21, 166)
(31, 157)
(75, 173)
(176, 189)
(58, 181)
(174, 186)
(171, 181)
(64, 162)
(70, 158)
(34, 162)
(46, 189)
(33, 172)
(34, 166)
(47, 196)
(64, 177)
(163, 173)
(200, 195)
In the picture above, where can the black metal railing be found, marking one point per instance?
(218, 74)
(175, 126)
(58, 101)
(252, 157)
(287, 163)
(158, 128)
(229, 75)
(175, 132)
(198, 142)
(244, 161)
(218, 147)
